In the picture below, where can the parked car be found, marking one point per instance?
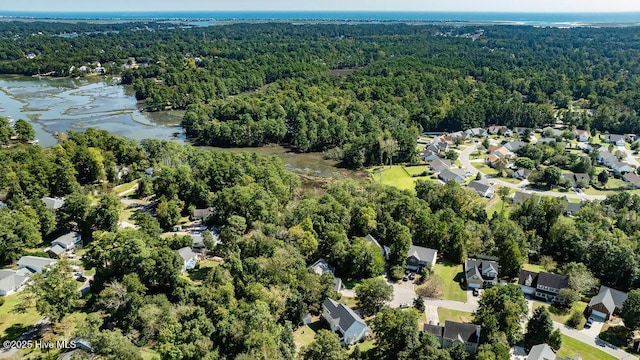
(412, 276)
(405, 278)
(404, 306)
(587, 325)
(475, 292)
(81, 278)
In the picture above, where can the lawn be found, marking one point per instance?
(495, 205)
(532, 267)
(396, 175)
(483, 168)
(563, 316)
(451, 276)
(148, 354)
(454, 315)
(613, 185)
(125, 187)
(416, 170)
(349, 301)
(12, 324)
(571, 347)
(365, 346)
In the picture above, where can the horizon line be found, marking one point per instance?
(317, 10)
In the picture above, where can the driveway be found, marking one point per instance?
(631, 159)
(466, 163)
(431, 313)
(403, 293)
(473, 300)
(595, 328)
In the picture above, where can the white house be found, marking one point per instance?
(344, 321)
(419, 257)
(618, 140)
(35, 263)
(483, 188)
(189, 258)
(65, 243)
(11, 281)
(53, 203)
(621, 167)
(581, 135)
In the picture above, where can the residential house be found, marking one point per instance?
(447, 139)
(608, 302)
(384, 250)
(581, 135)
(64, 244)
(492, 159)
(519, 197)
(343, 320)
(514, 146)
(546, 140)
(585, 147)
(438, 147)
(35, 264)
(429, 155)
(522, 174)
(11, 281)
(605, 157)
(621, 168)
(572, 208)
(440, 164)
(499, 130)
(459, 134)
(476, 132)
(483, 188)
(503, 152)
(618, 140)
(322, 267)
(480, 273)
(455, 332)
(577, 179)
(419, 257)
(189, 258)
(541, 352)
(551, 132)
(631, 137)
(53, 203)
(632, 178)
(522, 130)
(543, 285)
(201, 214)
(457, 175)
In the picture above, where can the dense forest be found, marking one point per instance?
(254, 84)
(270, 231)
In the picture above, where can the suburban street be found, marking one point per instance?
(466, 163)
(587, 336)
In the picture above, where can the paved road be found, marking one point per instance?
(466, 163)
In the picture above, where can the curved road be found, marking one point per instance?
(466, 163)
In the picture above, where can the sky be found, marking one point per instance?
(325, 5)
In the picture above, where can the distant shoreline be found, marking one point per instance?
(208, 18)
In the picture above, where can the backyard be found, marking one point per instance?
(13, 323)
(398, 176)
(454, 315)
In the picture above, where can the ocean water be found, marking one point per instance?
(473, 17)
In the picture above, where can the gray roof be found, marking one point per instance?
(519, 197)
(573, 208)
(474, 267)
(545, 279)
(321, 267)
(10, 280)
(447, 175)
(35, 262)
(373, 240)
(57, 249)
(632, 178)
(440, 164)
(186, 253)
(480, 186)
(53, 203)
(69, 239)
(202, 213)
(541, 352)
(610, 298)
(423, 253)
(468, 333)
(342, 314)
(615, 138)
(515, 145)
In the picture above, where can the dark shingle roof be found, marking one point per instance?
(541, 352)
(553, 280)
(465, 332)
(433, 329)
(480, 186)
(422, 253)
(342, 314)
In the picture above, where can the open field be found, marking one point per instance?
(572, 347)
(451, 276)
(397, 176)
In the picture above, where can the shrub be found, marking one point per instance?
(574, 319)
(432, 287)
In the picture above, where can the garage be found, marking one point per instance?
(599, 315)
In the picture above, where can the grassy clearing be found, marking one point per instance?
(572, 347)
(496, 205)
(485, 169)
(416, 170)
(349, 301)
(395, 175)
(451, 276)
(148, 354)
(125, 187)
(532, 267)
(13, 324)
(562, 316)
(305, 335)
(454, 315)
